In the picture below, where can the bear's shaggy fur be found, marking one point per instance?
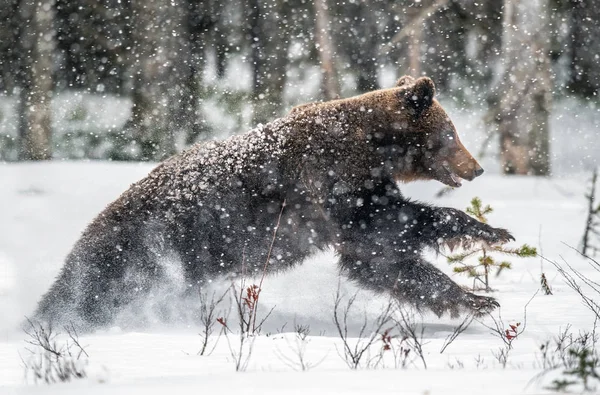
(330, 168)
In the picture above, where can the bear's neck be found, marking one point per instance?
(328, 150)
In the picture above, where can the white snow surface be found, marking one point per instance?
(44, 208)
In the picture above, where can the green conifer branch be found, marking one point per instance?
(525, 251)
(462, 256)
(481, 271)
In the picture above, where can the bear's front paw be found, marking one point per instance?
(494, 236)
(480, 305)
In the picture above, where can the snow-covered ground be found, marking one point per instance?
(44, 207)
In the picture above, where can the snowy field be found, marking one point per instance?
(44, 207)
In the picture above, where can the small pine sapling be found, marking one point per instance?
(584, 371)
(486, 262)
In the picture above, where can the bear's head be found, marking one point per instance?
(396, 134)
(417, 138)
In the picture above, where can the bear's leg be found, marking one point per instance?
(415, 281)
(433, 226)
(386, 212)
(420, 281)
(380, 246)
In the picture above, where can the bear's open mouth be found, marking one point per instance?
(450, 178)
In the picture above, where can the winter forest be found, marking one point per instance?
(168, 74)
(268, 196)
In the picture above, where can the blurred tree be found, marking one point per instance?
(585, 47)
(356, 27)
(157, 53)
(414, 31)
(9, 53)
(522, 98)
(268, 35)
(162, 98)
(444, 39)
(94, 40)
(36, 46)
(329, 79)
(416, 16)
(486, 36)
(462, 40)
(206, 27)
(364, 52)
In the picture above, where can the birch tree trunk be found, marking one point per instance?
(523, 105)
(37, 44)
(330, 83)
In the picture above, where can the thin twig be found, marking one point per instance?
(457, 331)
(267, 264)
(408, 328)
(353, 355)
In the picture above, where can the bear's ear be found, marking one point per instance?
(405, 80)
(419, 95)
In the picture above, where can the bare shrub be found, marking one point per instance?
(354, 350)
(394, 332)
(501, 356)
(398, 347)
(298, 347)
(553, 352)
(246, 303)
(507, 332)
(410, 331)
(457, 364)
(458, 330)
(575, 356)
(51, 359)
(480, 362)
(587, 289)
(209, 313)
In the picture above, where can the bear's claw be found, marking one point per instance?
(503, 236)
(495, 236)
(480, 305)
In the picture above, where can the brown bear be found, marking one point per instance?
(329, 171)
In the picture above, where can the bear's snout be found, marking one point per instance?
(478, 171)
(472, 171)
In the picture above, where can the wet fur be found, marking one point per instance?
(215, 206)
